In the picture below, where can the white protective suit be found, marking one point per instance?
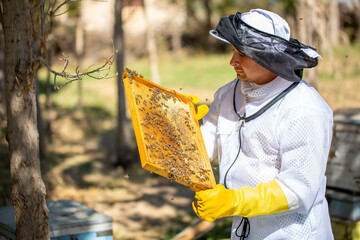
(289, 142)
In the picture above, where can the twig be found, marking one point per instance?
(106, 67)
(62, 4)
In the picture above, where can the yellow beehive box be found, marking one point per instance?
(167, 133)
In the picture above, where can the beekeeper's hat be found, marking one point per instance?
(265, 37)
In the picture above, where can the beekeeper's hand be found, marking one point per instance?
(201, 110)
(266, 198)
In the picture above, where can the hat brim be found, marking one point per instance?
(217, 35)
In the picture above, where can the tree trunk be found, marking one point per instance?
(334, 22)
(311, 30)
(2, 86)
(28, 189)
(151, 44)
(79, 48)
(124, 143)
(40, 124)
(356, 10)
(176, 42)
(177, 30)
(48, 102)
(207, 25)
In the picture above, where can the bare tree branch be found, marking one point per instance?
(101, 72)
(74, 2)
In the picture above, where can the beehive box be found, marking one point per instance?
(343, 166)
(68, 220)
(167, 133)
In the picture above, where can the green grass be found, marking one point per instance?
(341, 62)
(207, 72)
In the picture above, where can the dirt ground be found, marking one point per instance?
(139, 210)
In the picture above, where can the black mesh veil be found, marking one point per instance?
(286, 58)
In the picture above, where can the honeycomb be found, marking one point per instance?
(167, 133)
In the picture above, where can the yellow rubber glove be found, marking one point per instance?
(266, 198)
(201, 110)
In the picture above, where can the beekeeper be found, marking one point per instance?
(271, 132)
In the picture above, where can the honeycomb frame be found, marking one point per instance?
(167, 133)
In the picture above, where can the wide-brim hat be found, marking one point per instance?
(264, 37)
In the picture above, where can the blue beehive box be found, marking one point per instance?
(68, 220)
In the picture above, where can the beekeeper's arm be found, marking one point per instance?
(304, 148)
(264, 199)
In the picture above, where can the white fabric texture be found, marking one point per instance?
(292, 199)
(268, 22)
(289, 143)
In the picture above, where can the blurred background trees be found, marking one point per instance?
(169, 43)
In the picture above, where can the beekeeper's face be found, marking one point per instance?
(248, 70)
